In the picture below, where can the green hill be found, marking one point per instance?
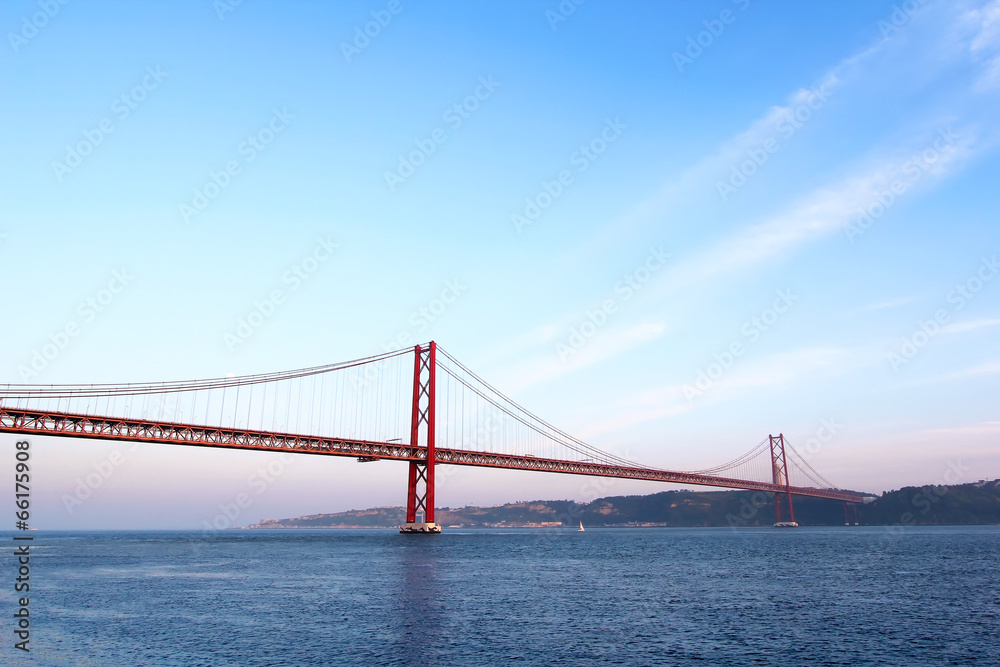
(977, 503)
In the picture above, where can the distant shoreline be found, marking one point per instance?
(973, 504)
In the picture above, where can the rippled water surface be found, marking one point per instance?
(844, 596)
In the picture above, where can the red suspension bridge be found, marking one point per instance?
(419, 405)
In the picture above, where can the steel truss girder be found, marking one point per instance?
(60, 424)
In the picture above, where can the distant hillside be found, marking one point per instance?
(977, 503)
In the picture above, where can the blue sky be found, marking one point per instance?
(833, 161)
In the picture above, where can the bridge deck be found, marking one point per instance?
(30, 422)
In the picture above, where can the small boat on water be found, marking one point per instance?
(581, 530)
(786, 524)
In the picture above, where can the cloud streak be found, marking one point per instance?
(773, 371)
(855, 187)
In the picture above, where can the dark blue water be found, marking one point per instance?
(844, 596)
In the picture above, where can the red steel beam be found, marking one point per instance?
(60, 424)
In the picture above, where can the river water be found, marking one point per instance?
(807, 596)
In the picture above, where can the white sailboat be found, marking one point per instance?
(581, 530)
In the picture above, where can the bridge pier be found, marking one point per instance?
(420, 481)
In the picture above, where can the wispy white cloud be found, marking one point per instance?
(854, 71)
(813, 215)
(818, 214)
(981, 428)
(706, 171)
(985, 45)
(884, 305)
(805, 218)
(987, 368)
(991, 368)
(782, 369)
(969, 325)
(528, 342)
(809, 216)
(608, 343)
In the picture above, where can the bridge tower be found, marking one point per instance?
(779, 475)
(849, 505)
(420, 485)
